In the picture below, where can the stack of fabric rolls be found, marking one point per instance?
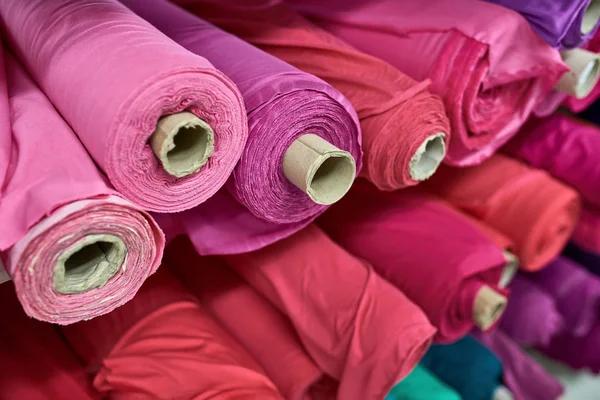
(298, 199)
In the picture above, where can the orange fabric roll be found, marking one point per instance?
(405, 129)
(534, 210)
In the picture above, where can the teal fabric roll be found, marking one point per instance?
(422, 385)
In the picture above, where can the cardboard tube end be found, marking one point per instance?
(590, 17)
(89, 264)
(489, 306)
(583, 75)
(183, 143)
(510, 269)
(318, 168)
(428, 157)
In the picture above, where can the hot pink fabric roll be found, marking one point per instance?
(55, 203)
(112, 76)
(485, 61)
(355, 325)
(430, 252)
(246, 315)
(5, 130)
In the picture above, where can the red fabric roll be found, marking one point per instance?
(247, 316)
(163, 345)
(35, 364)
(355, 325)
(430, 252)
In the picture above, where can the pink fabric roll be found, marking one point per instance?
(355, 325)
(55, 200)
(488, 65)
(112, 76)
(430, 252)
(246, 314)
(587, 232)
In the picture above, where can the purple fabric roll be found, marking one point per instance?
(531, 318)
(561, 23)
(577, 352)
(588, 259)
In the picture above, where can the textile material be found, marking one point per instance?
(587, 232)
(524, 377)
(283, 104)
(36, 363)
(55, 198)
(396, 113)
(467, 366)
(141, 76)
(421, 384)
(355, 326)
(589, 260)
(484, 61)
(529, 206)
(578, 352)
(411, 238)
(246, 314)
(158, 345)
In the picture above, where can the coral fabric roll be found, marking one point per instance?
(355, 326)
(246, 315)
(403, 125)
(529, 206)
(112, 76)
(486, 63)
(589, 260)
(35, 363)
(411, 238)
(164, 345)
(587, 232)
(55, 206)
(283, 104)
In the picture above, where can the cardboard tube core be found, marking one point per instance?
(89, 264)
(428, 157)
(590, 17)
(510, 269)
(489, 306)
(584, 73)
(318, 168)
(183, 143)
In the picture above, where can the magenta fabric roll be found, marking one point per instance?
(433, 254)
(283, 104)
(587, 232)
(112, 76)
(578, 352)
(55, 200)
(488, 65)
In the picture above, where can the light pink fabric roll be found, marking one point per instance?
(56, 201)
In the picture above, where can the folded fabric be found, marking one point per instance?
(587, 232)
(67, 239)
(411, 238)
(578, 352)
(355, 326)
(590, 260)
(404, 127)
(36, 363)
(529, 206)
(159, 345)
(112, 76)
(246, 315)
(485, 61)
(420, 384)
(5, 130)
(467, 366)
(524, 377)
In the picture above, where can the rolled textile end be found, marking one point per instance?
(318, 168)
(183, 143)
(583, 75)
(502, 393)
(590, 17)
(428, 157)
(510, 269)
(489, 306)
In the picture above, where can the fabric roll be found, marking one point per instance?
(355, 326)
(36, 363)
(467, 366)
(590, 113)
(411, 238)
(587, 232)
(524, 377)
(531, 318)
(246, 314)
(114, 102)
(529, 206)
(589, 260)
(66, 238)
(420, 384)
(283, 104)
(404, 127)
(498, 67)
(160, 343)
(578, 352)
